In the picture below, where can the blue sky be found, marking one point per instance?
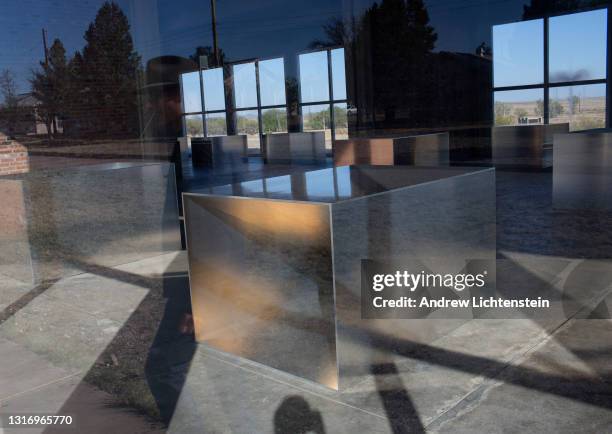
(577, 47)
(21, 24)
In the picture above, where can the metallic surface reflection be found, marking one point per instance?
(582, 171)
(278, 281)
(419, 150)
(525, 145)
(287, 148)
(219, 152)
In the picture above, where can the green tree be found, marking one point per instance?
(274, 120)
(109, 72)
(50, 86)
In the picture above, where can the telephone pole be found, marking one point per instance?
(213, 9)
(44, 37)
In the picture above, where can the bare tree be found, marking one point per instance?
(9, 113)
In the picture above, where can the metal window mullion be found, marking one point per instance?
(608, 70)
(203, 114)
(259, 119)
(331, 97)
(546, 72)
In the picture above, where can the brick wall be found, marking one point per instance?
(13, 158)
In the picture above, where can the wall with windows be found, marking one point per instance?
(552, 70)
(258, 91)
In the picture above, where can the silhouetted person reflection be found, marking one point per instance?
(294, 416)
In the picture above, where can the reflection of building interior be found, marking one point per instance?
(205, 273)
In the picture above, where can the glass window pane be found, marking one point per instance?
(584, 107)
(247, 123)
(214, 95)
(341, 121)
(338, 74)
(316, 118)
(190, 92)
(314, 80)
(272, 82)
(216, 125)
(274, 120)
(193, 125)
(516, 107)
(577, 44)
(518, 53)
(245, 85)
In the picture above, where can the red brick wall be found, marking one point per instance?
(13, 158)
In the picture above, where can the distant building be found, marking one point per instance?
(25, 119)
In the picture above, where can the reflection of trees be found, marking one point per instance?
(95, 92)
(51, 86)
(395, 78)
(274, 120)
(11, 114)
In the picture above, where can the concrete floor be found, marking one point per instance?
(113, 347)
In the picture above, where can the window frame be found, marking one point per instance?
(329, 102)
(546, 85)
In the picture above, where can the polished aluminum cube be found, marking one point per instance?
(418, 150)
(275, 263)
(294, 148)
(61, 222)
(582, 171)
(524, 145)
(219, 151)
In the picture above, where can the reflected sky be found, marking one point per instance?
(338, 74)
(314, 82)
(335, 184)
(272, 81)
(578, 46)
(245, 85)
(518, 53)
(523, 95)
(190, 88)
(214, 95)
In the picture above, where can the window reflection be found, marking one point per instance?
(190, 92)
(214, 95)
(193, 125)
(216, 124)
(338, 74)
(274, 120)
(577, 46)
(314, 81)
(584, 107)
(518, 53)
(340, 121)
(245, 85)
(320, 184)
(517, 107)
(272, 82)
(247, 123)
(317, 118)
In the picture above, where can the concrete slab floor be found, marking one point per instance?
(114, 347)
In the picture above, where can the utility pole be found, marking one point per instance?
(213, 9)
(44, 37)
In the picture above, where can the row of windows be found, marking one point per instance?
(260, 100)
(544, 73)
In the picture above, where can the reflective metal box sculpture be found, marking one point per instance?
(275, 264)
(60, 222)
(525, 145)
(419, 150)
(294, 148)
(219, 151)
(582, 171)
